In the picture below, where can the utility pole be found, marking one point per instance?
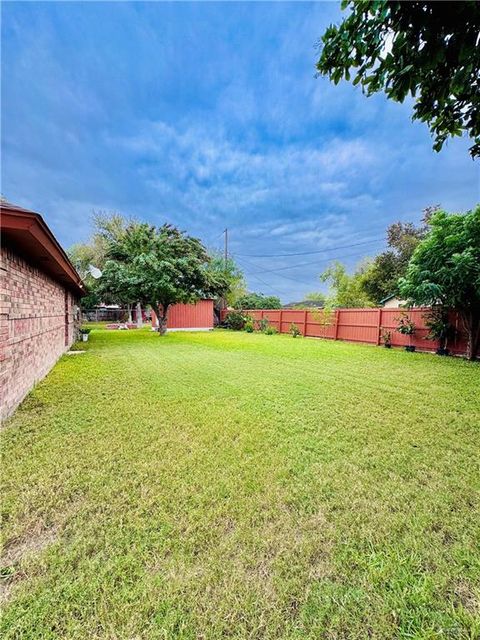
(226, 248)
(225, 257)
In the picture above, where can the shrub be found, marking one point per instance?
(294, 330)
(84, 330)
(439, 327)
(406, 326)
(249, 326)
(386, 336)
(235, 320)
(270, 331)
(263, 325)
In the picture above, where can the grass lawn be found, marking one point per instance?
(231, 485)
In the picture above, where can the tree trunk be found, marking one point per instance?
(162, 319)
(139, 316)
(162, 326)
(161, 315)
(471, 323)
(129, 307)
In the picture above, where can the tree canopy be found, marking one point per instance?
(108, 227)
(380, 278)
(159, 266)
(346, 291)
(156, 266)
(445, 270)
(428, 50)
(258, 301)
(228, 273)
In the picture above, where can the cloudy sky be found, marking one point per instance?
(210, 116)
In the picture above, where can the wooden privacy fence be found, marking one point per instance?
(361, 325)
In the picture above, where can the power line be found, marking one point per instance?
(282, 293)
(306, 253)
(274, 289)
(213, 239)
(269, 230)
(305, 264)
(262, 270)
(307, 284)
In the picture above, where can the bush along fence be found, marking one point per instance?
(370, 326)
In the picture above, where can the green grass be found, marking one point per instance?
(231, 485)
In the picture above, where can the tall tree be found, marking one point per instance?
(82, 255)
(428, 50)
(120, 282)
(380, 278)
(445, 270)
(160, 266)
(108, 227)
(346, 291)
(231, 275)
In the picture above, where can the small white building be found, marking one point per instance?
(392, 302)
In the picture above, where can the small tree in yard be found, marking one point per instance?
(439, 327)
(406, 327)
(445, 270)
(294, 330)
(163, 266)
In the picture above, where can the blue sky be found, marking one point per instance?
(209, 115)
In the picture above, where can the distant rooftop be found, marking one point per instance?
(305, 304)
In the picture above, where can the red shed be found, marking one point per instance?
(189, 317)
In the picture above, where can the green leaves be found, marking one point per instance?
(258, 301)
(157, 266)
(346, 290)
(445, 267)
(433, 55)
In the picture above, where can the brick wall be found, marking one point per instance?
(37, 325)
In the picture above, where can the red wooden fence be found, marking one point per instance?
(360, 325)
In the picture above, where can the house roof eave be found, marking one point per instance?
(27, 232)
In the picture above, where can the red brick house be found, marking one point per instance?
(40, 290)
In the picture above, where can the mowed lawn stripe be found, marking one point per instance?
(246, 486)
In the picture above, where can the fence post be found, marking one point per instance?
(337, 318)
(305, 323)
(280, 321)
(379, 324)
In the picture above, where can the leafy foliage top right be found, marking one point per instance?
(445, 270)
(426, 49)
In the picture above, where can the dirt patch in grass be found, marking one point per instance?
(467, 598)
(15, 551)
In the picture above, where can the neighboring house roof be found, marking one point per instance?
(390, 297)
(305, 304)
(27, 232)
